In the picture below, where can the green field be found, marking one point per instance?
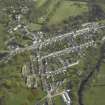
(59, 100)
(95, 95)
(33, 27)
(40, 2)
(49, 8)
(55, 12)
(3, 37)
(12, 86)
(66, 9)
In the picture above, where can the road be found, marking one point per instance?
(40, 44)
(67, 50)
(63, 69)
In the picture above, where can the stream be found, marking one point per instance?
(87, 78)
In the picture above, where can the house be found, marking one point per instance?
(31, 81)
(66, 98)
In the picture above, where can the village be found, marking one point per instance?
(51, 58)
(40, 67)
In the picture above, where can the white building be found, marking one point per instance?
(66, 98)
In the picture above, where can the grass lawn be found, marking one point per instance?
(40, 2)
(49, 6)
(59, 100)
(52, 5)
(34, 27)
(95, 95)
(3, 37)
(66, 9)
(23, 96)
(102, 5)
(18, 94)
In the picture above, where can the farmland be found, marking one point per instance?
(66, 9)
(95, 94)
